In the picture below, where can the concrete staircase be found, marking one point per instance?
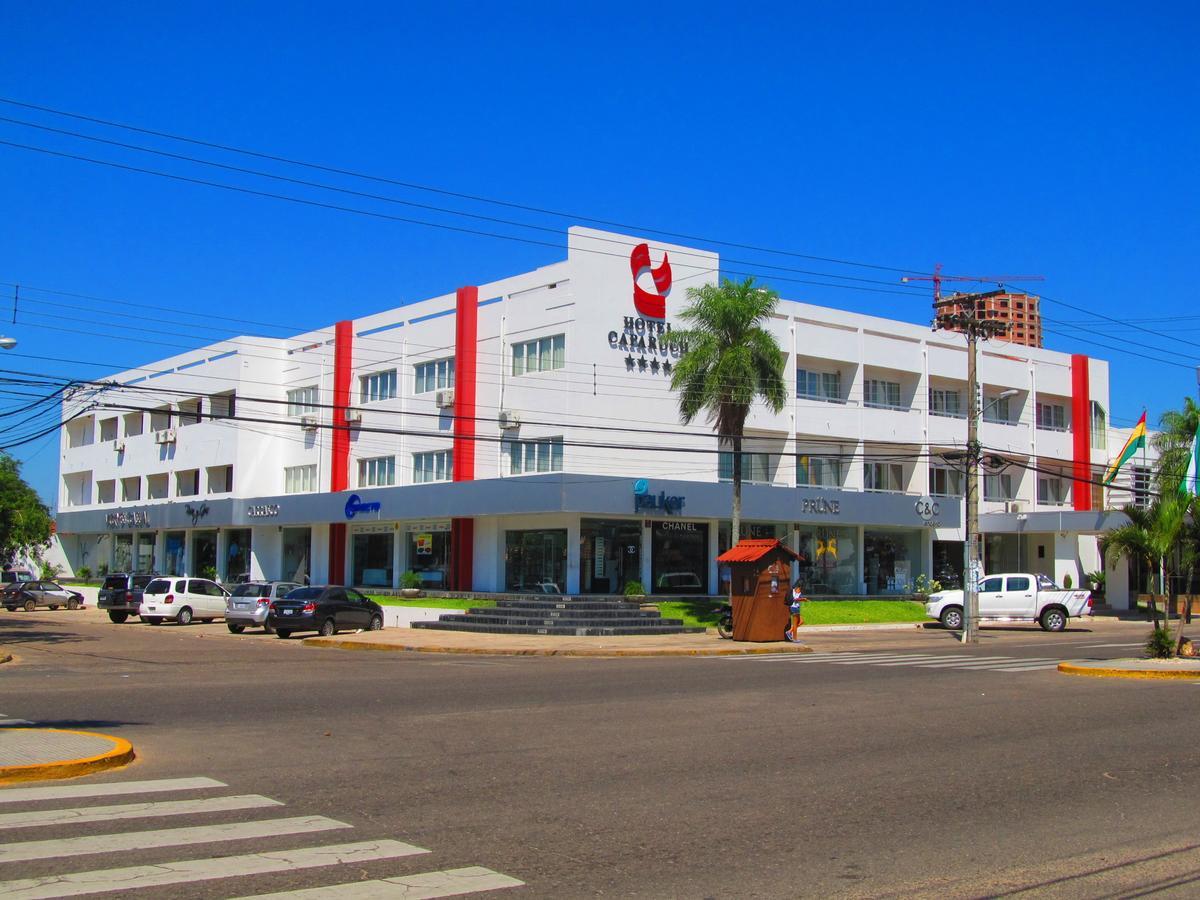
(570, 616)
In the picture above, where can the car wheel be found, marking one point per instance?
(952, 618)
(185, 616)
(283, 633)
(327, 628)
(1053, 620)
(30, 606)
(72, 604)
(267, 629)
(235, 629)
(376, 623)
(53, 606)
(11, 608)
(117, 616)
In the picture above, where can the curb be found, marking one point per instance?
(334, 643)
(1144, 674)
(119, 755)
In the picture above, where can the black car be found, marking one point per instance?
(29, 595)
(121, 594)
(326, 610)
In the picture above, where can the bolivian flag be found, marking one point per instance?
(1137, 440)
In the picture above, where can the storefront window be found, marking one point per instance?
(123, 553)
(373, 557)
(175, 543)
(1001, 553)
(891, 561)
(429, 552)
(237, 553)
(828, 560)
(948, 564)
(204, 554)
(145, 553)
(536, 561)
(610, 555)
(679, 558)
(297, 547)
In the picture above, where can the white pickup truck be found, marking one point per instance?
(1017, 597)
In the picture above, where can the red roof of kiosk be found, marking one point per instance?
(753, 549)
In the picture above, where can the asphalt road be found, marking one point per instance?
(891, 770)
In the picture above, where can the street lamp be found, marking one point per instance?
(7, 343)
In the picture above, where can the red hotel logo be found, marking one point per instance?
(651, 306)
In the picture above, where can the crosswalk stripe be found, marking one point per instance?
(145, 810)
(959, 662)
(165, 837)
(426, 886)
(1135, 644)
(1026, 668)
(993, 663)
(14, 723)
(925, 659)
(774, 657)
(894, 657)
(73, 791)
(102, 880)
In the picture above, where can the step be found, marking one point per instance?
(562, 623)
(561, 631)
(559, 603)
(539, 612)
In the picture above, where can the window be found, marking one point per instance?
(1141, 487)
(756, 467)
(190, 411)
(945, 482)
(946, 403)
(187, 483)
(882, 394)
(380, 386)
(160, 419)
(108, 429)
(302, 401)
(1018, 583)
(1052, 491)
(545, 455)
(377, 472)
(156, 486)
(434, 376)
(997, 410)
(106, 491)
(131, 488)
(819, 385)
(818, 471)
(299, 479)
(991, 586)
(133, 424)
(436, 465)
(541, 355)
(1051, 417)
(222, 406)
(997, 487)
(220, 479)
(883, 476)
(1099, 427)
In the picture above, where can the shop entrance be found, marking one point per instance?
(536, 561)
(891, 561)
(610, 555)
(372, 561)
(429, 552)
(297, 547)
(948, 564)
(679, 558)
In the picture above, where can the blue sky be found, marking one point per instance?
(1051, 138)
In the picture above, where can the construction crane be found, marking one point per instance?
(937, 278)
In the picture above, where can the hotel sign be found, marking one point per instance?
(139, 519)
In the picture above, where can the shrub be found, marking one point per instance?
(410, 579)
(1098, 580)
(1159, 645)
(50, 571)
(209, 572)
(634, 589)
(1067, 581)
(102, 569)
(83, 573)
(926, 585)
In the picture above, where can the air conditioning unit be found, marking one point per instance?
(353, 414)
(119, 446)
(166, 436)
(308, 423)
(1014, 506)
(509, 419)
(444, 399)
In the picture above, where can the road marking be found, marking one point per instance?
(72, 791)
(166, 837)
(14, 723)
(102, 880)
(1135, 644)
(1011, 661)
(426, 886)
(133, 811)
(959, 663)
(1026, 668)
(893, 658)
(930, 658)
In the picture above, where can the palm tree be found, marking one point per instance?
(1177, 429)
(731, 361)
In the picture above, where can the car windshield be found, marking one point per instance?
(114, 583)
(158, 586)
(305, 593)
(252, 590)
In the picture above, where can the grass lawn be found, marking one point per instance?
(431, 602)
(816, 612)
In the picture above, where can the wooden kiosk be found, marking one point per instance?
(759, 588)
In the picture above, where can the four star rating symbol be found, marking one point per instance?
(653, 365)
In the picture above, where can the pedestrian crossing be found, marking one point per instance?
(339, 863)
(887, 660)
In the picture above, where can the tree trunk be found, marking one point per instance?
(735, 530)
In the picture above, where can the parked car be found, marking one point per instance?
(1020, 597)
(684, 582)
(121, 594)
(325, 610)
(29, 595)
(12, 576)
(182, 599)
(247, 606)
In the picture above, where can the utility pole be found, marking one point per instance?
(966, 313)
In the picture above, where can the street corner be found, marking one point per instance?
(44, 754)
(1140, 669)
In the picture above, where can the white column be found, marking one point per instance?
(647, 548)
(714, 545)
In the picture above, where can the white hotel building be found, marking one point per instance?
(472, 438)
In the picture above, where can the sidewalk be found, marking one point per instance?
(1164, 669)
(37, 754)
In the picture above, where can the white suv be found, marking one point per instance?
(182, 599)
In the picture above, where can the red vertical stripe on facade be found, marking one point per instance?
(1081, 432)
(466, 340)
(339, 454)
